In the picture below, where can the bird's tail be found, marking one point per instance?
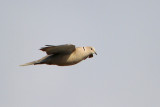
(40, 61)
(30, 63)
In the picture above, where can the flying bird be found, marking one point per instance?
(63, 55)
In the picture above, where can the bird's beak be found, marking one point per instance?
(95, 53)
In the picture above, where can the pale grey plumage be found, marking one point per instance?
(64, 55)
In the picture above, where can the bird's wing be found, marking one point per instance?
(60, 49)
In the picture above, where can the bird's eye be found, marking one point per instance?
(91, 49)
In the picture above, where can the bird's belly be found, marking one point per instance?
(62, 60)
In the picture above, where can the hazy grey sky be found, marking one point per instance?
(125, 34)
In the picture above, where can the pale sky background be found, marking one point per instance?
(125, 34)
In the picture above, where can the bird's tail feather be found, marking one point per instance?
(40, 61)
(30, 63)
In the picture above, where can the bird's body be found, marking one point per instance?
(64, 55)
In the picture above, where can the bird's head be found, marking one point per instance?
(90, 50)
(93, 51)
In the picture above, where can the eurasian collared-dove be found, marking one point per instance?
(64, 55)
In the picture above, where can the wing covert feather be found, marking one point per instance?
(60, 49)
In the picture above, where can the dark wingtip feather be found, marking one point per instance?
(48, 45)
